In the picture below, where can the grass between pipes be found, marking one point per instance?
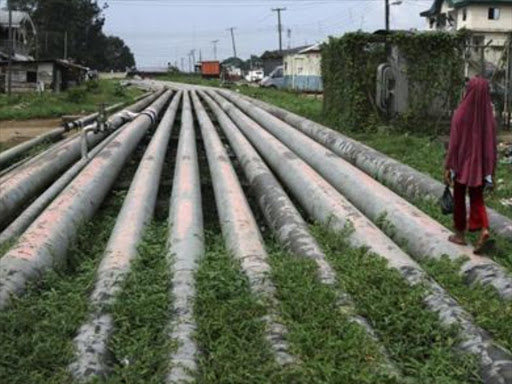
(140, 343)
(422, 348)
(36, 333)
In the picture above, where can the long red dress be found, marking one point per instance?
(472, 153)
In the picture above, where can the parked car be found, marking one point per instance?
(255, 76)
(275, 79)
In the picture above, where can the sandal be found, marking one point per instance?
(456, 240)
(484, 246)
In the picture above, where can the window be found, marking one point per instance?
(31, 77)
(464, 14)
(494, 13)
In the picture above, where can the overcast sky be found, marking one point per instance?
(162, 31)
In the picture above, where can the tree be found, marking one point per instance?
(80, 22)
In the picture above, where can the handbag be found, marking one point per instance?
(446, 202)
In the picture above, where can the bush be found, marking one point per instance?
(434, 67)
(76, 95)
(93, 86)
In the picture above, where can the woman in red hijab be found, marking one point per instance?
(471, 161)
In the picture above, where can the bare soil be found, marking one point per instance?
(15, 132)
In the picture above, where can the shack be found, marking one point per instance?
(23, 35)
(273, 59)
(303, 70)
(30, 76)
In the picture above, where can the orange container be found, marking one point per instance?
(210, 69)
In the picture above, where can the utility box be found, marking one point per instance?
(210, 69)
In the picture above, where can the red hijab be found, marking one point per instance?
(473, 153)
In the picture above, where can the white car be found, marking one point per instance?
(254, 76)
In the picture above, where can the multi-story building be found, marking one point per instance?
(488, 21)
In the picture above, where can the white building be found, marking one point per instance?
(490, 24)
(23, 35)
(303, 70)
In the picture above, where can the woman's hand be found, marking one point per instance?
(448, 177)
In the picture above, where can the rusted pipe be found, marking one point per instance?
(55, 134)
(424, 237)
(240, 230)
(11, 154)
(402, 179)
(325, 205)
(186, 248)
(36, 176)
(283, 218)
(45, 243)
(91, 342)
(23, 221)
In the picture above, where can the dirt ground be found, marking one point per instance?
(15, 132)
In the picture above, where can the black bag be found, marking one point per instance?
(446, 202)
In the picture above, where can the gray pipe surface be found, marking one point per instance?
(23, 221)
(186, 248)
(91, 342)
(281, 214)
(240, 230)
(36, 176)
(11, 154)
(402, 179)
(45, 243)
(325, 205)
(424, 237)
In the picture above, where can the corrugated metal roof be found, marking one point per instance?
(18, 18)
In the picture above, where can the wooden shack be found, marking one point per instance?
(54, 75)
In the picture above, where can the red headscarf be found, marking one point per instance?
(473, 153)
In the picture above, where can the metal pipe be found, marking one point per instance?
(11, 171)
(186, 248)
(23, 221)
(325, 205)
(424, 237)
(45, 243)
(55, 134)
(402, 179)
(282, 216)
(33, 178)
(240, 230)
(91, 342)
(11, 154)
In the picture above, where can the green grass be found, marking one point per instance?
(140, 344)
(36, 333)
(489, 310)
(231, 333)
(332, 349)
(422, 348)
(80, 100)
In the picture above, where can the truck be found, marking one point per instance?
(210, 69)
(275, 79)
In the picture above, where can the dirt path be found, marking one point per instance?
(14, 132)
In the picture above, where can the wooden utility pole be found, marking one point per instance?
(232, 29)
(387, 15)
(65, 45)
(214, 42)
(279, 26)
(9, 51)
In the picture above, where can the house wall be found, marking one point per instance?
(303, 72)
(478, 20)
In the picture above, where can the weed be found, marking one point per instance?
(488, 309)
(413, 336)
(331, 347)
(36, 333)
(231, 334)
(140, 343)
